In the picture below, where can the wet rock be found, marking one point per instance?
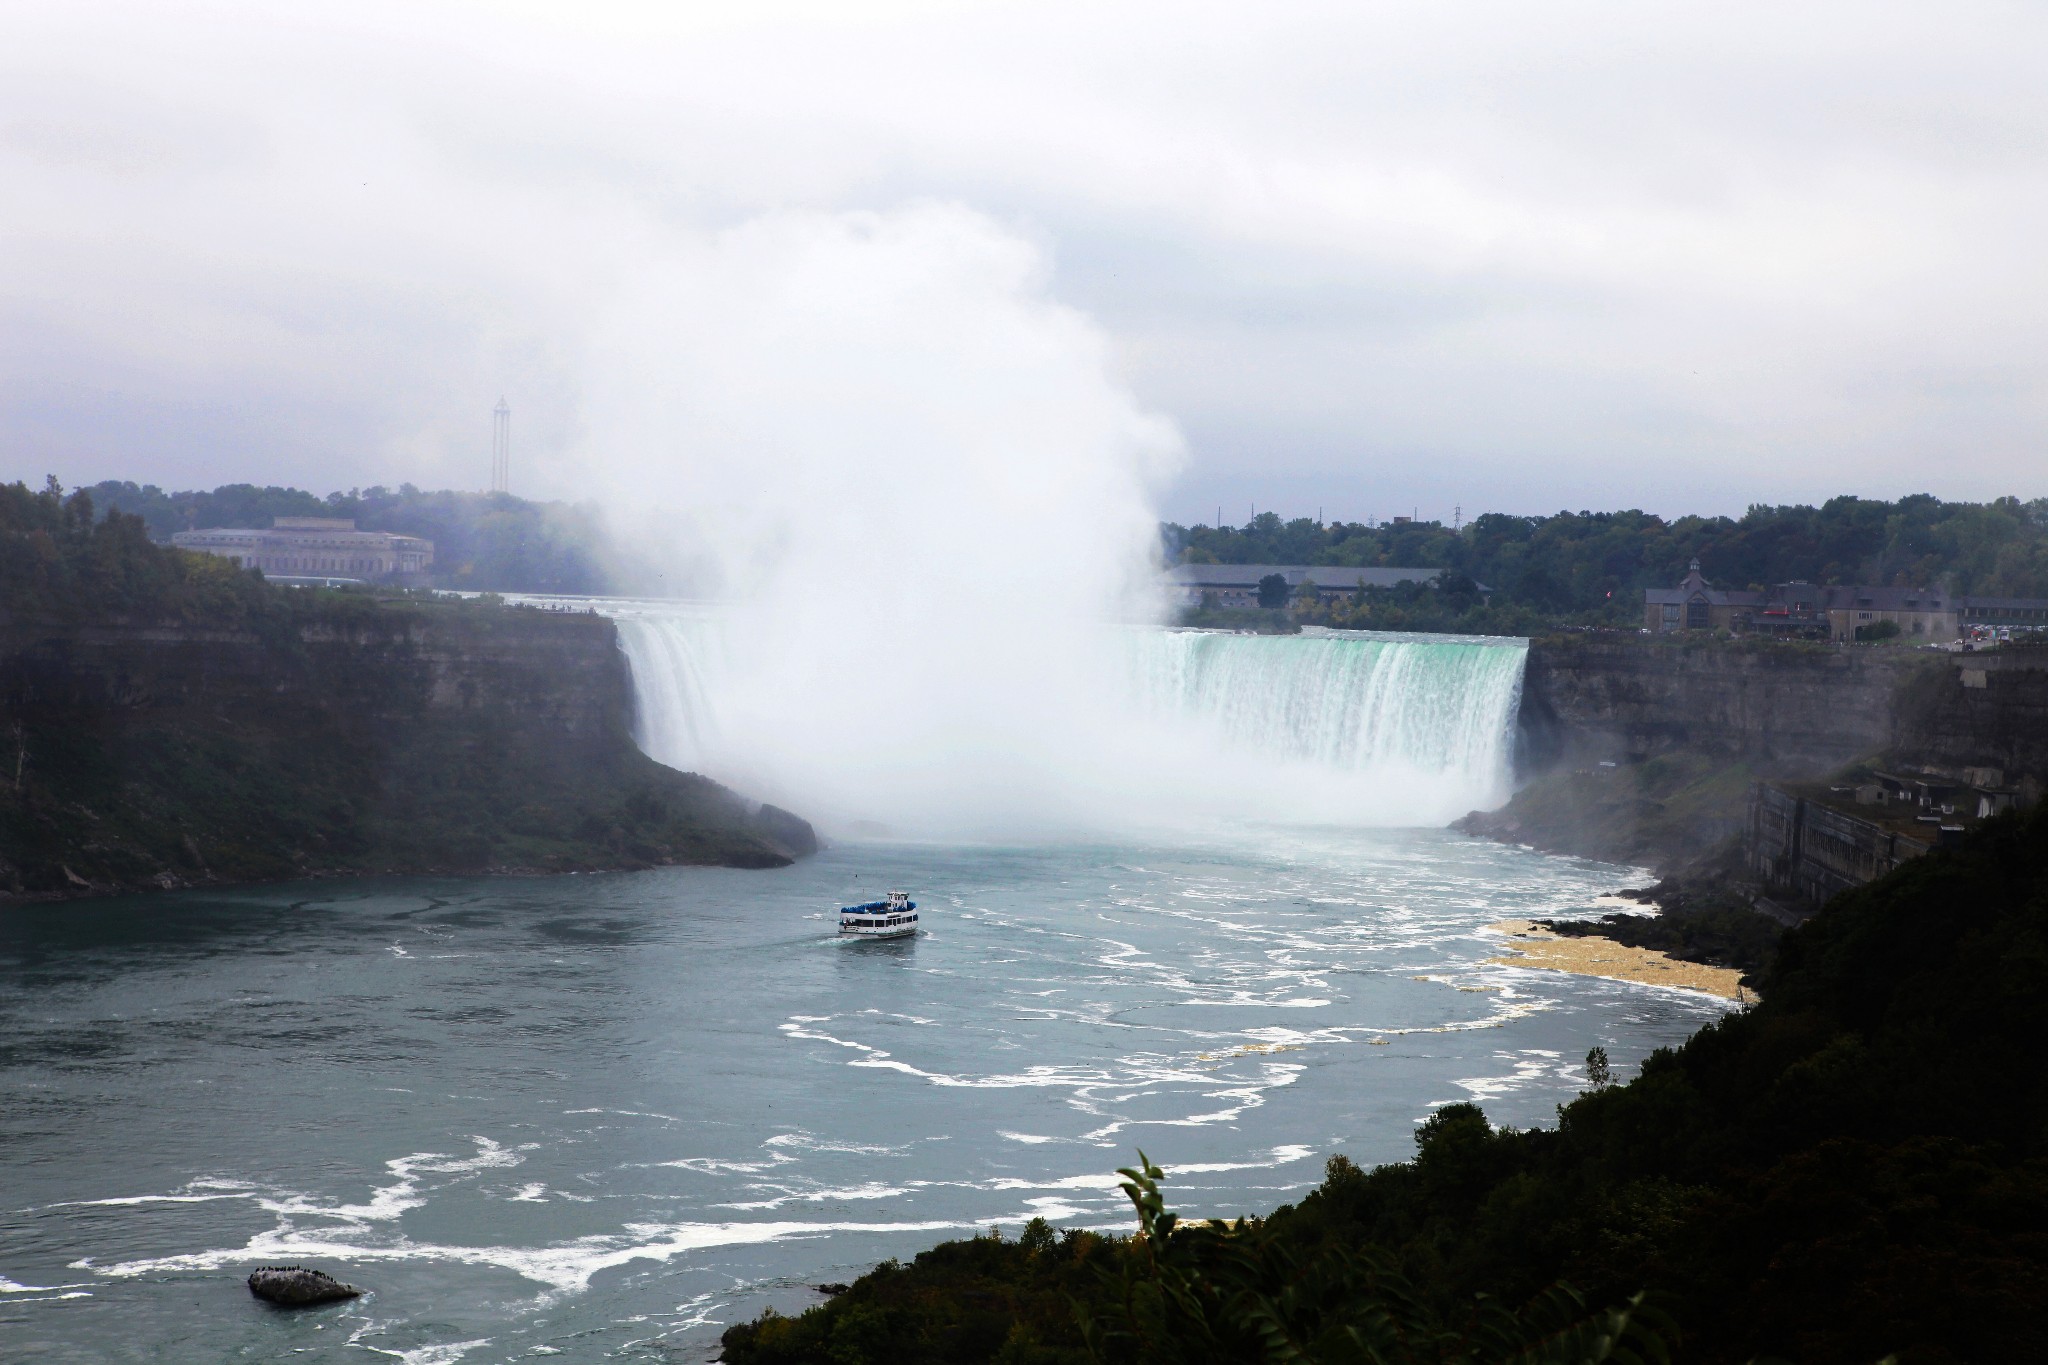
(294, 1286)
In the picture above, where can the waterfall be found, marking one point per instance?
(677, 657)
(1358, 703)
(1160, 725)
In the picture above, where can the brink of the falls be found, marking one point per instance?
(1185, 727)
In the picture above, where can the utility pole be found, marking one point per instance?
(501, 447)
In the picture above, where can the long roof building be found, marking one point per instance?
(1237, 585)
(315, 547)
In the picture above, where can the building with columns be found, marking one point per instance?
(316, 547)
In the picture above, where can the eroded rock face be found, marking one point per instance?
(790, 833)
(294, 1286)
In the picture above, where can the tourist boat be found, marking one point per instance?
(891, 918)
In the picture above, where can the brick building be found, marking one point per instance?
(1831, 611)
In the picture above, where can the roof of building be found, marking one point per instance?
(298, 535)
(1787, 599)
(1325, 575)
(1719, 597)
(2003, 603)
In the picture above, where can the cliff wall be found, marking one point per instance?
(388, 737)
(1985, 710)
(1647, 750)
(1588, 699)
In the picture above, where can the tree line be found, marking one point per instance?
(482, 541)
(1590, 568)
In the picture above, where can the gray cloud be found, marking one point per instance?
(1366, 256)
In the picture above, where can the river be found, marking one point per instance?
(598, 1117)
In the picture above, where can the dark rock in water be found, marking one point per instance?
(792, 833)
(830, 1290)
(295, 1285)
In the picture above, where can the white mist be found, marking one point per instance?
(924, 502)
(924, 491)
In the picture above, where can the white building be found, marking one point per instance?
(315, 547)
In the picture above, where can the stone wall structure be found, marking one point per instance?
(1806, 841)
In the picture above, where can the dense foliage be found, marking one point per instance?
(1591, 567)
(485, 541)
(1856, 1167)
(58, 560)
(1179, 1293)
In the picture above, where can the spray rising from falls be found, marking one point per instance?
(1191, 727)
(924, 487)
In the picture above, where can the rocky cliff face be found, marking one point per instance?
(401, 737)
(1620, 699)
(1983, 711)
(1646, 751)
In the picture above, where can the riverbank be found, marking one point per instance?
(1533, 946)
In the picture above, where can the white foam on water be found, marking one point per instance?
(565, 1268)
(809, 1143)
(1526, 1065)
(445, 1354)
(873, 1190)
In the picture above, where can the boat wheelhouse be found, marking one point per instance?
(891, 918)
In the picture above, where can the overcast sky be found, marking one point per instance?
(1365, 257)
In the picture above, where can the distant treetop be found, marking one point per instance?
(482, 541)
(1591, 567)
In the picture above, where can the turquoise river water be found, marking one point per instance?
(597, 1118)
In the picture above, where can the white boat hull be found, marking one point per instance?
(902, 929)
(893, 917)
